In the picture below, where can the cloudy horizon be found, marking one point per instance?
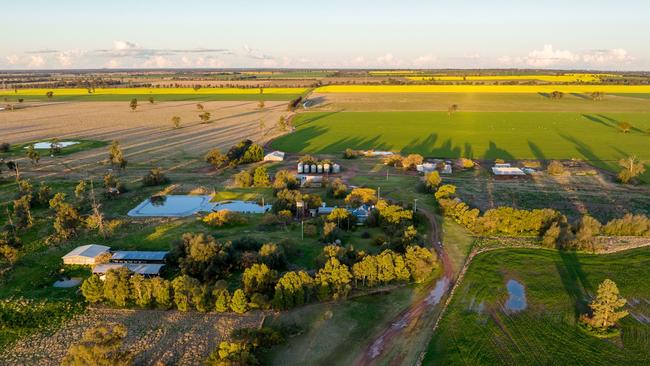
(289, 34)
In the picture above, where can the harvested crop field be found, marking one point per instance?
(146, 136)
(157, 337)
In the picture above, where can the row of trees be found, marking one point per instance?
(547, 223)
(121, 288)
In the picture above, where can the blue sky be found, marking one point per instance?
(596, 34)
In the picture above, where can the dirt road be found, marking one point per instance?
(411, 320)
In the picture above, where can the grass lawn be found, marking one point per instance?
(334, 333)
(477, 330)
(485, 135)
(457, 242)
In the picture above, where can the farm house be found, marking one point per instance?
(274, 156)
(85, 255)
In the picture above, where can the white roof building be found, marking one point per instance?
(274, 156)
(138, 256)
(149, 269)
(85, 254)
(507, 171)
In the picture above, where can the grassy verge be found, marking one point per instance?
(334, 333)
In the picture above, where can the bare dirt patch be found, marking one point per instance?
(156, 337)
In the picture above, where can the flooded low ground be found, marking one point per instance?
(517, 300)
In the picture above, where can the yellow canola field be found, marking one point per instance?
(152, 91)
(566, 78)
(483, 88)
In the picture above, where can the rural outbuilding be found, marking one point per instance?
(274, 156)
(149, 269)
(505, 170)
(137, 256)
(85, 254)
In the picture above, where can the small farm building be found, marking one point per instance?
(145, 269)
(85, 254)
(127, 256)
(274, 156)
(310, 180)
(505, 170)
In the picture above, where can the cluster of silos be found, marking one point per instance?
(304, 168)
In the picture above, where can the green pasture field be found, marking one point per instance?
(558, 286)
(144, 98)
(483, 135)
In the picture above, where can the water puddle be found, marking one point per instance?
(436, 294)
(517, 300)
(46, 145)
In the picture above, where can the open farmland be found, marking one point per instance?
(160, 94)
(146, 136)
(477, 102)
(482, 135)
(483, 88)
(479, 329)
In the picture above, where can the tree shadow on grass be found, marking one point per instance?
(537, 151)
(581, 96)
(598, 119)
(574, 280)
(494, 152)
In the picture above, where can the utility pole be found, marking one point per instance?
(302, 229)
(415, 205)
(378, 193)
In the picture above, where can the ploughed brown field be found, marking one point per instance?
(147, 136)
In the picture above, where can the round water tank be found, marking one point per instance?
(300, 165)
(326, 168)
(336, 168)
(313, 168)
(320, 168)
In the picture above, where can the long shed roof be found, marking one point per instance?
(128, 255)
(90, 251)
(143, 269)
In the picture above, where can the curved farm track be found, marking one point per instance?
(385, 347)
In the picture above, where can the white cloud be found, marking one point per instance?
(69, 57)
(36, 61)
(548, 56)
(112, 64)
(425, 60)
(158, 62)
(605, 56)
(255, 53)
(124, 45)
(12, 59)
